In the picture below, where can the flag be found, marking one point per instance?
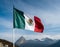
(21, 21)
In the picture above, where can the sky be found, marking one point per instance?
(47, 10)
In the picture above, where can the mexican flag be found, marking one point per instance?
(21, 21)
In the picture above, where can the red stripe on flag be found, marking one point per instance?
(38, 25)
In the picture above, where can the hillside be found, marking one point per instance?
(5, 42)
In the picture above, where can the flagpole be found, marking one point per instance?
(13, 37)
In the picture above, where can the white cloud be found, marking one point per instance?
(52, 19)
(6, 23)
(6, 36)
(13, 36)
(56, 37)
(38, 36)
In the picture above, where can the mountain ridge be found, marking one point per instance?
(35, 43)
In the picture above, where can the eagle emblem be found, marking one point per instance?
(30, 21)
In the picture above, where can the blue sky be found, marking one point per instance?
(6, 16)
(47, 10)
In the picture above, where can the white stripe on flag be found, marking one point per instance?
(27, 26)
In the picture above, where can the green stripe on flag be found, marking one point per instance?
(18, 19)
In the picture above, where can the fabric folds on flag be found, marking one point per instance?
(38, 25)
(18, 19)
(21, 21)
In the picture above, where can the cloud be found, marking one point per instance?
(6, 23)
(52, 19)
(6, 36)
(37, 36)
(14, 36)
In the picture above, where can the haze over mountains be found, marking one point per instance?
(45, 42)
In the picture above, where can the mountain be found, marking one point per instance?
(22, 42)
(57, 44)
(5, 42)
(49, 41)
